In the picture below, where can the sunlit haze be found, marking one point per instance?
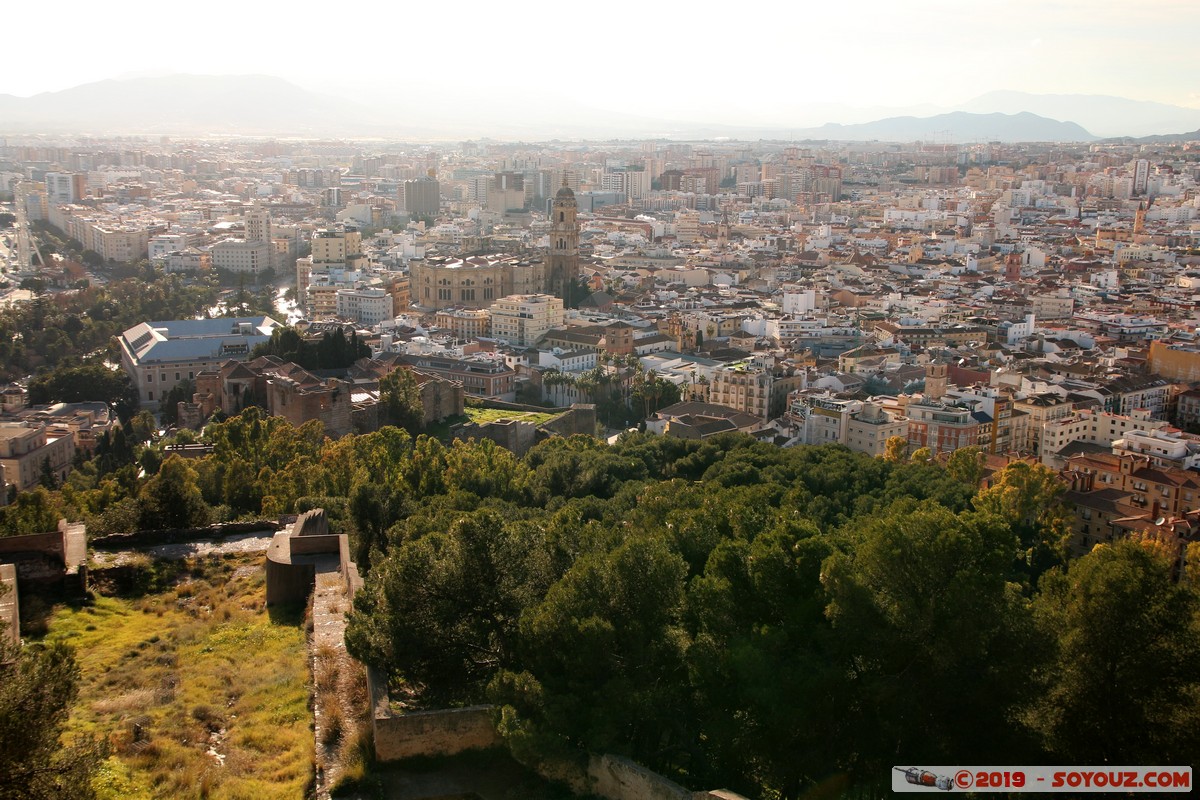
(720, 63)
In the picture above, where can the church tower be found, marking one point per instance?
(562, 263)
(723, 228)
(935, 380)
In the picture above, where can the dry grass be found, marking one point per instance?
(199, 693)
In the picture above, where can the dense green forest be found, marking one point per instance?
(735, 614)
(726, 612)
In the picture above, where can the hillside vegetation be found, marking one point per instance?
(196, 690)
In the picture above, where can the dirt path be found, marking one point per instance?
(334, 672)
(255, 542)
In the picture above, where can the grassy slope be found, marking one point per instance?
(197, 666)
(481, 415)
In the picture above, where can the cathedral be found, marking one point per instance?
(562, 262)
(477, 281)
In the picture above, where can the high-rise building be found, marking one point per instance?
(562, 262)
(1141, 176)
(258, 225)
(64, 187)
(422, 197)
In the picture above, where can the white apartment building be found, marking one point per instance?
(165, 243)
(1161, 448)
(868, 430)
(242, 257)
(258, 225)
(523, 319)
(363, 304)
(64, 187)
(863, 426)
(1101, 428)
(187, 260)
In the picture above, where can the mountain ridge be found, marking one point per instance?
(268, 105)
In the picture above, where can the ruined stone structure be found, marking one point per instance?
(301, 401)
(284, 389)
(57, 558)
(519, 436)
(440, 398)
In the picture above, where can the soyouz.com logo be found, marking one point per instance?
(1041, 779)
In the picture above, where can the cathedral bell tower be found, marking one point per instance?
(562, 262)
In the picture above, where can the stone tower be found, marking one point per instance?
(562, 262)
(723, 228)
(935, 380)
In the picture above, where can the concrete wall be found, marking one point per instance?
(434, 733)
(292, 556)
(313, 522)
(45, 543)
(288, 583)
(617, 778)
(57, 558)
(514, 435)
(315, 545)
(443, 732)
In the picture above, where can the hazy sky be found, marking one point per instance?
(666, 58)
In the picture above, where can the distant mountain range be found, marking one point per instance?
(269, 106)
(1167, 138)
(957, 126)
(181, 103)
(1103, 115)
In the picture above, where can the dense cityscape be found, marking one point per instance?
(674, 466)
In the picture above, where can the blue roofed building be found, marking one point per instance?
(160, 355)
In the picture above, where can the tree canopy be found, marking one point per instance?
(724, 611)
(38, 684)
